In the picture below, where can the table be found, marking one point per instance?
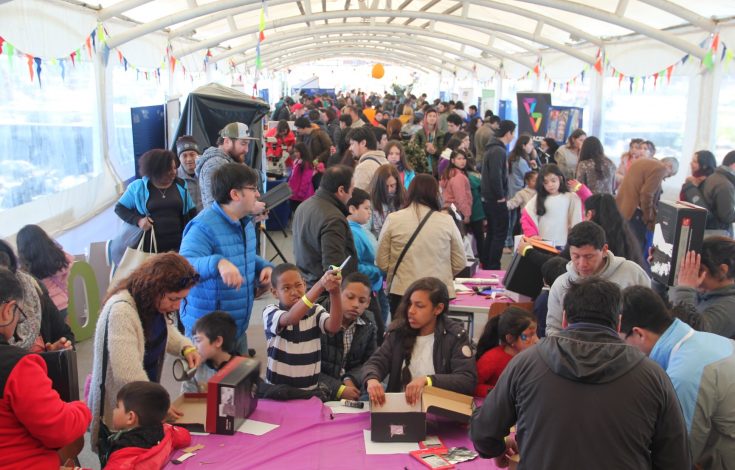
(309, 437)
(474, 308)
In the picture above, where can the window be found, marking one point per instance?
(725, 117)
(48, 134)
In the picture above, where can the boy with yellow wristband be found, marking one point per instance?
(293, 328)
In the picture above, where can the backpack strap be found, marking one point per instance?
(408, 245)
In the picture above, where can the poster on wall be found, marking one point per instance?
(532, 111)
(488, 101)
(562, 121)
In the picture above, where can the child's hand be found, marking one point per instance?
(376, 392)
(173, 414)
(330, 281)
(415, 389)
(350, 393)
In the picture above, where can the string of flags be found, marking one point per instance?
(717, 52)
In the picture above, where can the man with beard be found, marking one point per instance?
(232, 146)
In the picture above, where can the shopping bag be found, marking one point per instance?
(129, 237)
(134, 257)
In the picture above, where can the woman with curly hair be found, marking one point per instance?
(159, 200)
(423, 347)
(136, 323)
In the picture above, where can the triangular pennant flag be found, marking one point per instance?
(669, 70)
(30, 65)
(261, 36)
(173, 64)
(716, 42)
(655, 79)
(684, 59)
(536, 69)
(94, 41)
(73, 55)
(728, 58)
(101, 33)
(598, 65)
(119, 56)
(37, 60)
(10, 50)
(620, 80)
(62, 64)
(708, 61)
(88, 45)
(125, 64)
(582, 75)
(262, 20)
(643, 84)
(632, 82)
(1, 44)
(722, 57)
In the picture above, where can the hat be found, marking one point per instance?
(297, 106)
(186, 143)
(236, 130)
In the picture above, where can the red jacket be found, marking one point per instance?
(489, 367)
(34, 422)
(155, 458)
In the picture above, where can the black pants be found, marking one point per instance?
(478, 232)
(497, 230)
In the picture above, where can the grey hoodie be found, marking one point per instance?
(617, 269)
(584, 399)
(211, 159)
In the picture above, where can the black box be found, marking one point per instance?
(62, 370)
(230, 399)
(523, 276)
(679, 229)
(469, 270)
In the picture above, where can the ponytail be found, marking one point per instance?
(513, 321)
(489, 338)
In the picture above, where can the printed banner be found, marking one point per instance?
(532, 112)
(562, 121)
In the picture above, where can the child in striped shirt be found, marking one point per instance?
(293, 328)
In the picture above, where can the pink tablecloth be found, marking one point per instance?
(475, 301)
(309, 437)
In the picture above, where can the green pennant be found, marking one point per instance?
(11, 52)
(707, 61)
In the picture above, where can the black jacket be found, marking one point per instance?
(717, 195)
(53, 326)
(363, 346)
(584, 399)
(454, 363)
(494, 172)
(322, 237)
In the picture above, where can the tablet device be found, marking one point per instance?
(276, 196)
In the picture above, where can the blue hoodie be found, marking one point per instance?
(365, 244)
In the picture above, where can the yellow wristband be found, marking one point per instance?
(525, 249)
(339, 392)
(576, 188)
(306, 301)
(428, 381)
(188, 350)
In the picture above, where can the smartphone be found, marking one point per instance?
(434, 461)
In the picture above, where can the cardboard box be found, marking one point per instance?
(524, 276)
(679, 229)
(469, 270)
(230, 399)
(397, 421)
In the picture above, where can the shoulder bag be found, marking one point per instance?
(405, 248)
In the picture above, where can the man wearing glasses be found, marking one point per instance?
(233, 144)
(37, 429)
(220, 244)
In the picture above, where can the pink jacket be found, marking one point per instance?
(300, 182)
(528, 225)
(57, 286)
(456, 190)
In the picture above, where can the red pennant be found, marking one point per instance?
(73, 55)
(30, 65)
(173, 64)
(209, 53)
(655, 79)
(120, 56)
(668, 73)
(598, 65)
(262, 36)
(1, 44)
(536, 70)
(716, 42)
(620, 79)
(88, 45)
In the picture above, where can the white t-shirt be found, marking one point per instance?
(563, 211)
(422, 357)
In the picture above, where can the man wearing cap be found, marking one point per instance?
(232, 146)
(297, 110)
(187, 150)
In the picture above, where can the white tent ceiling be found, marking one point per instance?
(418, 33)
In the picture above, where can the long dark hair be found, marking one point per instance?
(518, 152)
(159, 275)
(306, 160)
(592, 149)
(620, 239)
(513, 321)
(38, 253)
(423, 190)
(438, 294)
(403, 164)
(541, 193)
(379, 194)
(451, 169)
(717, 251)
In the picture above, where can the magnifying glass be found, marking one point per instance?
(182, 372)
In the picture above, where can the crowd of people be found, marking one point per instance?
(611, 369)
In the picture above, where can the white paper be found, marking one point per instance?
(396, 403)
(338, 408)
(199, 433)
(256, 428)
(383, 448)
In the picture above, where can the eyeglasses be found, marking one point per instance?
(189, 280)
(22, 317)
(251, 188)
